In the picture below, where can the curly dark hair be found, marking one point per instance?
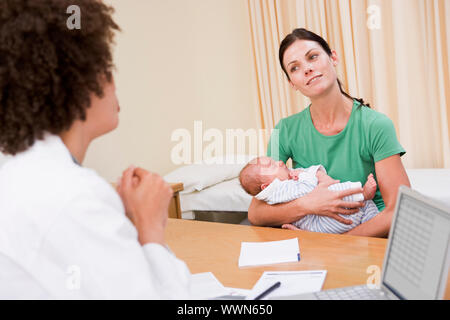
(47, 70)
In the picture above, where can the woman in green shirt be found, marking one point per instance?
(347, 137)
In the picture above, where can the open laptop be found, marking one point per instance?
(416, 263)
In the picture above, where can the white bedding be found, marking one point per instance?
(229, 196)
(224, 196)
(434, 183)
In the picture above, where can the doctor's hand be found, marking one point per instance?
(146, 197)
(324, 202)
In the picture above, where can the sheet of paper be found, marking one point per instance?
(238, 291)
(206, 286)
(266, 253)
(292, 283)
(234, 294)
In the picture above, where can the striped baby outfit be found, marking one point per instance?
(288, 190)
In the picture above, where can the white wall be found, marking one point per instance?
(177, 61)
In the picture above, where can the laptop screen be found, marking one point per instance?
(418, 250)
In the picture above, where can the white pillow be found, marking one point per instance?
(434, 183)
(224, 196)
(196, 177)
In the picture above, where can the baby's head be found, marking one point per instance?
(260, 172)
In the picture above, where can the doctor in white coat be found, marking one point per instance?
(65, 233)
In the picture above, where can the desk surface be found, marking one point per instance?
(215, 247)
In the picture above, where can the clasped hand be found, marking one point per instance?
(146, 198)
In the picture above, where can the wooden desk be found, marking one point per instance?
(215, 247)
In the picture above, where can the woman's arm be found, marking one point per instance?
(390, 175)
(320, 201)
(263, 214)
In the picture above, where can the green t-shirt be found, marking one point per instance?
(350, 155)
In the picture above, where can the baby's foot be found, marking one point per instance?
(370, 188)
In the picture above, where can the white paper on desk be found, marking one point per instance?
(238, 291)
(272, 252)
(206, 286)
(292, 283)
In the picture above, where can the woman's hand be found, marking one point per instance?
(146, 197)
(324, 202)
(320, 201)
(119, 190)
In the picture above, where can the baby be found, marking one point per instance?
(272, 182)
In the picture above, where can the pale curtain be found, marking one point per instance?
(270, 22)
(401, 65)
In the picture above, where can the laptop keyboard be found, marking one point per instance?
(351, 293)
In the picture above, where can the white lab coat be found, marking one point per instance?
(64, 235)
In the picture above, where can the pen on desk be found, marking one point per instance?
(269, 290)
